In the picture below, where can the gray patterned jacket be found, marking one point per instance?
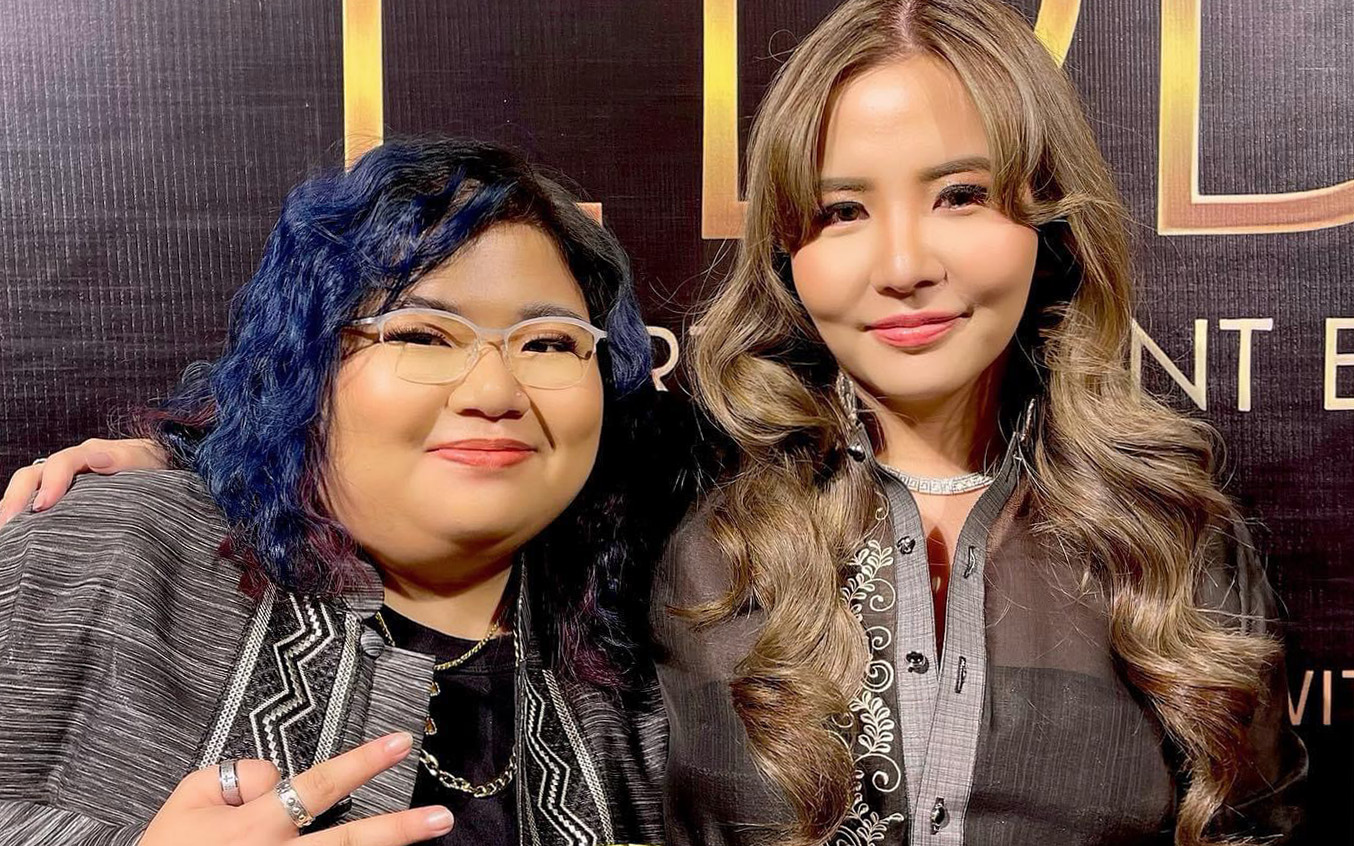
(129, 657)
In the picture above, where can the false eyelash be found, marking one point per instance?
(963, 194)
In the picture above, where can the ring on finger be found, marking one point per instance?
(38, 461)
(230, 783)
(292, 804)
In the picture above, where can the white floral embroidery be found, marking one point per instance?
(877, 726)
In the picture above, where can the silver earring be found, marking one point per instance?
(846, 395)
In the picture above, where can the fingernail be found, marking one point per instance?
(99, 460)
(39, 502)
(439, 821)
(398, 743)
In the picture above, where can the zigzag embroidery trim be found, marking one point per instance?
(239, 683)
(338, 697)
(554, 784)
(585, 763)
(292, 654)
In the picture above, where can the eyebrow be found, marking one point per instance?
(849, 185)
(858, 185)
(527, 312)
(549, 310)
(980, 164)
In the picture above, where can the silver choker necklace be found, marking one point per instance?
(943, 487)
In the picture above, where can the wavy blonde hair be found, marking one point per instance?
(1115, 475)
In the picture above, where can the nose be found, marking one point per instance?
(489, 389)
(904, 260)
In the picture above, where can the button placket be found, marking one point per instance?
(917, 687)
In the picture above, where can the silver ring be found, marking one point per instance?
(230, 783)
(292, 804)
(38, 461)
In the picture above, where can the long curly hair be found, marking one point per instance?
(253, 423)
(1116, 476)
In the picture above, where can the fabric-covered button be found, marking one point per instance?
(372, 644)
(917, 663)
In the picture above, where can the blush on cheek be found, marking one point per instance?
(822, 283)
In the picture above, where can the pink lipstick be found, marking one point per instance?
(485, 452)
(914, 330)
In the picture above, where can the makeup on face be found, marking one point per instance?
(421, 464)
(915, 282)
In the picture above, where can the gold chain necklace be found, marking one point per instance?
(449, 780)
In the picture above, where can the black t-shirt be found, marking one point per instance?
(473, 713)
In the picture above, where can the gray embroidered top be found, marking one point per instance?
(1021, 731)
(129, 657)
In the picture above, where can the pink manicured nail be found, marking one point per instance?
(39, 502)
(98, 460)
(398, 743)
(439, 821)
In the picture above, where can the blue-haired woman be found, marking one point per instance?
(400, 527)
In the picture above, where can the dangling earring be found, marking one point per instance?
(846, 395)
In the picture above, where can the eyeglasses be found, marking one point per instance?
(437, 347)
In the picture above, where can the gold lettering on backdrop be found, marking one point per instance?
(721, 208)
(1335, 360)
(364, 85)
(1197, 387)
(1295, 714)
(674, 353)
(1181, 208)
(1247, 327)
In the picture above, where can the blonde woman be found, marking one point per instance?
(966, 585)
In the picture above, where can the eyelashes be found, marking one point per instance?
(956, 196)
(845, 212)
(960, 195)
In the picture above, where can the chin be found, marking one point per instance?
(893, 391)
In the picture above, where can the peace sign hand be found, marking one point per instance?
(197, 811)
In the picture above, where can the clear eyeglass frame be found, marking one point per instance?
(493, 337)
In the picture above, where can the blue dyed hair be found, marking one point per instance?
(253, 423)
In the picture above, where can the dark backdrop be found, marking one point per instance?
(145, 148)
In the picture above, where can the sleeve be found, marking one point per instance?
(31, 824)
(713, 792)
(1270, 794)
(37, 718)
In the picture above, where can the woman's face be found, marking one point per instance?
(915, 283)
(420, 473)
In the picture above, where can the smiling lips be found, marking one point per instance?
(485, 452)
(911, 331)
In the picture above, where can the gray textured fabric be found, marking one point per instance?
(129, 656)
(1043, 743)
(941, 697)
